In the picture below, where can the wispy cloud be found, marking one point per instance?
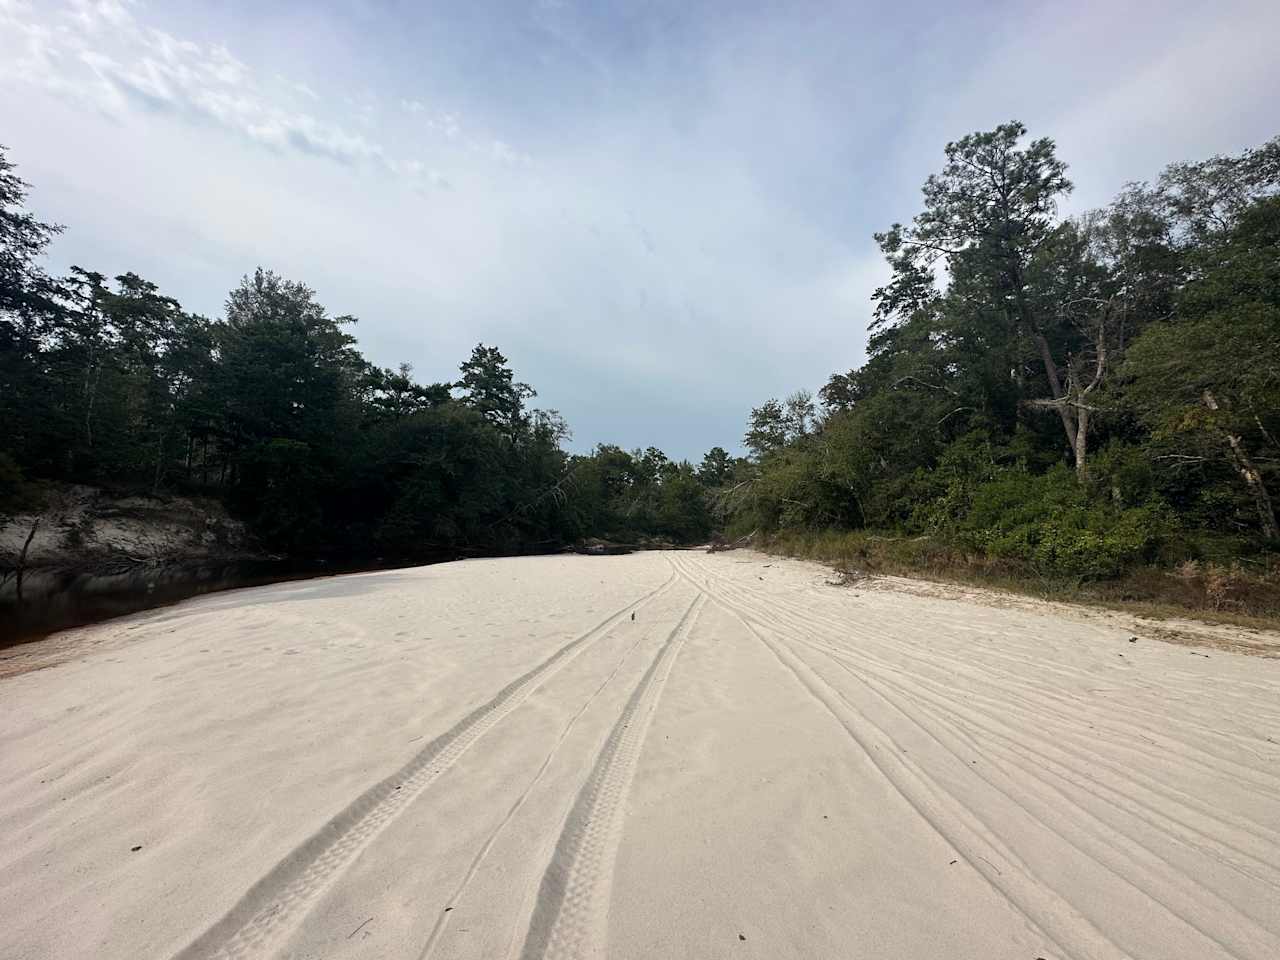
(96, 52)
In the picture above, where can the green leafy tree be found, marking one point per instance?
(489, 386)
(1206, 380)
(767, 429)
(716, 468)
(989, 218)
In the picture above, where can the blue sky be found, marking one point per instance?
(661, 212)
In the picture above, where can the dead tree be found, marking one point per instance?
(1072, 399)
(21, 565)
(1240, 459)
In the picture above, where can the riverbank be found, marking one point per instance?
(1214, 590)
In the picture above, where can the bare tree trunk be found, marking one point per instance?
(22, 559)
(1082, 444)
(155, 486)
(1252, 476)
(1055, 385)
(1080, 439)
(90, 401)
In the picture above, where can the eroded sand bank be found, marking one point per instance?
(657, 755)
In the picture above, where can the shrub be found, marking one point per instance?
(16, 493)
(1055, 523)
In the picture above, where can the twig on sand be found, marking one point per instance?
(357, 929)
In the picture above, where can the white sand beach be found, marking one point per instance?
(661, 755)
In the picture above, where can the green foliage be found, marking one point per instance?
(490, 387)
(273, 409)
(13, 487)
(1052, 522)
(1065, 399)
(638, 495)
(1070, 399)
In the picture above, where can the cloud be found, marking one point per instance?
(424, 176)
(663, 214)
(95, 15)
(97, 52)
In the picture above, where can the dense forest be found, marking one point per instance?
(1057, 397)
(272, 409)
(1073, 397)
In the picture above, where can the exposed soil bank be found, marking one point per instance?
(55, 599)
(82, 554)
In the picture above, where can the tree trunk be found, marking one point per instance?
(1055, 386)
(155, 487)
(22, 560)
(1252, 476)
(1081, 444)
(92, 376)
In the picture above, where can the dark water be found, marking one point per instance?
(56, 600)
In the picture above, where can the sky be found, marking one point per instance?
(661, 212)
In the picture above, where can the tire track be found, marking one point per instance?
(571, 912)
(1146, 793)
(1072, 933)
(1046, 791)
(1128, 861)
(1009, 703)
(1005, 681)
(263, 913)
(442, 922)
(1040, 754)
(1137, 855)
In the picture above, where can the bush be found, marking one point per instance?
(16, 494)
(1054, 523)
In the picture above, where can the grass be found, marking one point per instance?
(1210, 591)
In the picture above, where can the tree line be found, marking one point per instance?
(1076, 395)
(272, 408)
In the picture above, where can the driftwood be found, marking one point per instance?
(733, 545)
(21, 564)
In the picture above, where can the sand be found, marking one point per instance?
(656, 755)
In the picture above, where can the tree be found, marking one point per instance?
(27, 293)
(285, 363)
(799, 414)
(653, 466)
(1206, 199)
(1206, 379)
(395, 394)
(489, 386)
(1073, 284)
(274, 409)
(987, 218)
(767, 430)
(31, 303)
(716, 468)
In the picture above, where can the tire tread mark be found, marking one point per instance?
(264, 910)
(570, 913)
(1071, 932)
(443, 920)
(869, 660)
